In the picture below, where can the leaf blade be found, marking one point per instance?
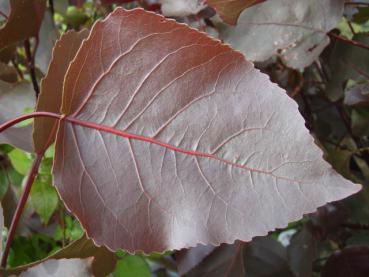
(176, 165)
(296, 33)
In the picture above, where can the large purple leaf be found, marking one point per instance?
(172, 139)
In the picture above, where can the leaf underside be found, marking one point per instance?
(186, 142)
(296, 30)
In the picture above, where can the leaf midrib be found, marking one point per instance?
(108, 129)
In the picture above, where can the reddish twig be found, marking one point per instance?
(31, 64)
(20, 207)
(299, 86)
(349, 41)
(62, 225)
(356, 4)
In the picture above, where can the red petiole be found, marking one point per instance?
(20, 207)
(29, 181)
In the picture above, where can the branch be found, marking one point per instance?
(297, 89)
(52, 9)
(3, 15)
(356, 226)
(348, 41)
(351, 27)
(356, 4)
(20, 74)
(20, 207)
(31, 64)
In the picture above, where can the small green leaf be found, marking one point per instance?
(45, 167)
(15, 177)
(44, 198)
(20, 160)
(6, 148)
(133, 266)
(120, 254)
(73, 229)
(103, 263)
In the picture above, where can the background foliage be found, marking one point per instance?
(326, 72)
